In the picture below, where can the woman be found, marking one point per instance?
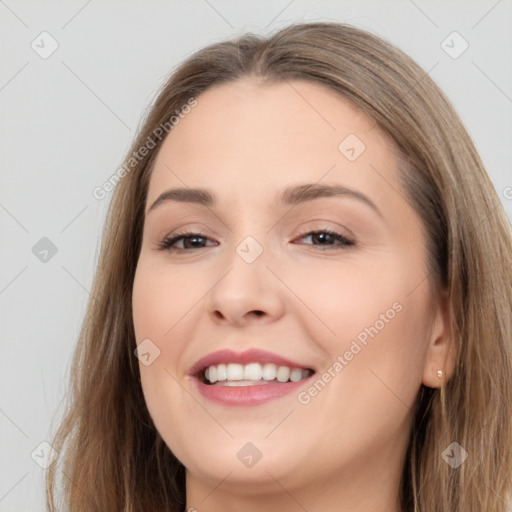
(303, 298)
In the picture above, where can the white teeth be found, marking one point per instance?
(283, 374)
(234, 374)
(269, 371)
(222, 372)
(253, 371)
(234, 371)
(296, 375)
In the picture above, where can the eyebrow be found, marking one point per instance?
(292, 195)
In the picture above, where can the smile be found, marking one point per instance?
(247, 378)
(251, 374)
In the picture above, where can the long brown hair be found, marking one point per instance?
(111, 457)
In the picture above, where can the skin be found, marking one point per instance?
(344, 450)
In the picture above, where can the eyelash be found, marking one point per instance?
(167, 243)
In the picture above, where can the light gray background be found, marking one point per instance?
(67, 121)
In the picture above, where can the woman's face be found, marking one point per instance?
(301, 259)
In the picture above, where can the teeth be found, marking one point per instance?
(269, 371)
(253, 371)
(234, 371)
(222, 372)
(283, 374)
(296, 375)
(234, 374)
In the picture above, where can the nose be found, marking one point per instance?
(246, 293)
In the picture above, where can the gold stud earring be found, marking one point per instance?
(439, 374)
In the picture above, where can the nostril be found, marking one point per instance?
(219, 315)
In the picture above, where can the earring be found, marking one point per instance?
(439, 374)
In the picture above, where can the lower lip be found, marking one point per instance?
(244, 396)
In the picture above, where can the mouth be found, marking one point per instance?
(247, 378)
(252, 374)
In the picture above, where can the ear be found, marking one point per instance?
(442, 351)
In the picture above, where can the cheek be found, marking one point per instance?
(342, 298)
(160, 304)
(375, 355)
(162, 300)
(373, 320)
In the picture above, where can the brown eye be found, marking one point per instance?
(184, 241)
(328, 239)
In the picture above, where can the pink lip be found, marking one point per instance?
(245, 395)
(252, 355)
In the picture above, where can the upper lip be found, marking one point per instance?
(252, 355)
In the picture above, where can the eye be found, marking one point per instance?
(325, 239)
(187, 240)
(328, 239)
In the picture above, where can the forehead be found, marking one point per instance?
(250, 137)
